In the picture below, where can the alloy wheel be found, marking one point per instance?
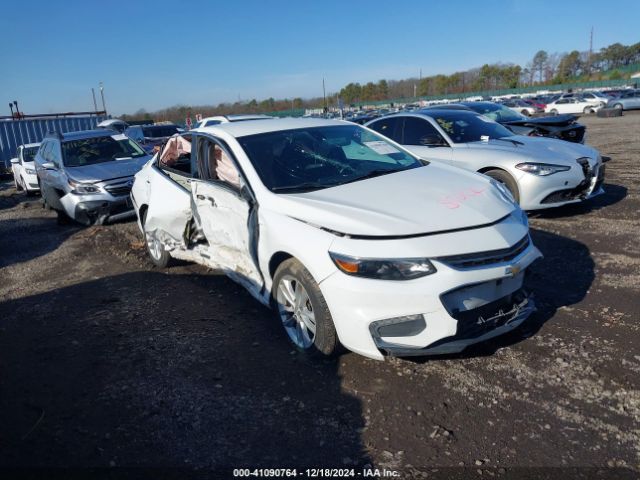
(296, 312)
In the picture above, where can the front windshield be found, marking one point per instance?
(89, 151)
(465, 127)
(496, 112)
(28, 154)
(313, 158)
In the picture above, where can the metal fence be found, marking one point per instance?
(14, 133)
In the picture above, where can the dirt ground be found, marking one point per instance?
(109, 363)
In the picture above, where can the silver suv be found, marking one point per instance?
(87, 175)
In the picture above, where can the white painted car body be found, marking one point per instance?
(24, 170)
(433, 211)
(535, 192)
(574, 105)
(218, 119)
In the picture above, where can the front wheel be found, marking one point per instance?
(525, 113)
(17, 184)
(554, 112)
(159, 256)
(507, 180)
(618, 106)
(587, 110)
(302, 310)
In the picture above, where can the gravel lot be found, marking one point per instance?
(108, 362)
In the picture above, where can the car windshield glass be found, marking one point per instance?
(320, 157)
(463, 127)
(89, 151)
(28, 154)
(158, 131)
(496, 112)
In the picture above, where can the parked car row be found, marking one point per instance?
(407, 236)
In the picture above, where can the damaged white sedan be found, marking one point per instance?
(350, 238)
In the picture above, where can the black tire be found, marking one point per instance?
(507, 180)
(325, 339)
(525, 113)
(587, 110)
(554, 112)
(155, 249)
(17, 184)
(618, 106)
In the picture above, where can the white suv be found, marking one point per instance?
(24, 170)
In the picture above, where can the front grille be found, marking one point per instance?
(584, 164)
(120, 188)
(471, 260)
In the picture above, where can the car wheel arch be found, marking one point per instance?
(486, 170)
(276, 259)
(142, 213)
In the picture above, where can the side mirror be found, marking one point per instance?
(49, 166)
(15, 160)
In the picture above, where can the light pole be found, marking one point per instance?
(11, 107)
(104, 107)
(95, 105)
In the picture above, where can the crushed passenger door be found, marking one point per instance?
(224, 217)
(169, 209)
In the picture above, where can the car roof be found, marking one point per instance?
(102, 132)
(254, 127)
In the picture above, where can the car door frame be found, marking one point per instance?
(246, 194)
(168, 215)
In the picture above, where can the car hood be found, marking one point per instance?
(106, 170)
(539, 149)
(556, 121)
(430, 199)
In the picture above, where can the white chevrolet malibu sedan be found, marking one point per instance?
(350, 238)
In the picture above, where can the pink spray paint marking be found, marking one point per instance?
(456, 199)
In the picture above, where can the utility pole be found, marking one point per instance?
(95, 105)
(590, 50)
(324, 96)
(104, 107)
(11, 107)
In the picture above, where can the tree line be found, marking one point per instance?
(543, 69)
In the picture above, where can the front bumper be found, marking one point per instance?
(436, 308)
(573, 186)
(97, 209)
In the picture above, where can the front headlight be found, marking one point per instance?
(84, 188)
(542, 169)
(383, 269)
(30, 171)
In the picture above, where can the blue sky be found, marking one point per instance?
(154, 54)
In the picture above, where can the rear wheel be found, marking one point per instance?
(302, 310)
(587, 110)
(525, 112)
(159, 256)
(554, 112)
(505, 179)
(618, 106)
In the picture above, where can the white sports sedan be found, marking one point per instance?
(574, 105)
(24, 170)
(350, 238)
(539, 172)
